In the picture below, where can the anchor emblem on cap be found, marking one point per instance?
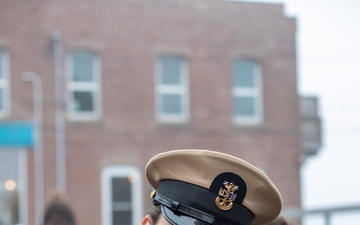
(226, 196)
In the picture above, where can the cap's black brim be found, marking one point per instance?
(179, 218)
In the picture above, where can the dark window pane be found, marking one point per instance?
(121, 189)
(171, 103)
(244, 74)
(171, 70)
(244, 106)
(83, 101)
(122, 218)
(82, 67)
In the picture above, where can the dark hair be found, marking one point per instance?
(58, 210)
(58, 213)
(155, 212)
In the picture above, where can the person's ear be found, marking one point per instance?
(147, 220)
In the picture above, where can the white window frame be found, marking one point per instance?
(130, 172)
(254, 92)
(93, 86)
(181, 89)
(5, 83)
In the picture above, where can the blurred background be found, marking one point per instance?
(90, 90)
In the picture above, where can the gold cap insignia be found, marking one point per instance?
(153, 194)
(226, 196)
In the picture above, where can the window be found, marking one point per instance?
(13, 187)
(172, 89)
(83, 86)
(121, 196)
(4, 84)
(247, 94)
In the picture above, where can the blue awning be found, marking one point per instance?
(16, 134)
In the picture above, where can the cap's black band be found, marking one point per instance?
(199, 203)
(177, 207)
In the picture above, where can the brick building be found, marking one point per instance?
(124, 80)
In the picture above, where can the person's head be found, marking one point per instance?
(58, 210)
(202, 187)
(155, 218)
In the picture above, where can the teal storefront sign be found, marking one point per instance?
(16, 134)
